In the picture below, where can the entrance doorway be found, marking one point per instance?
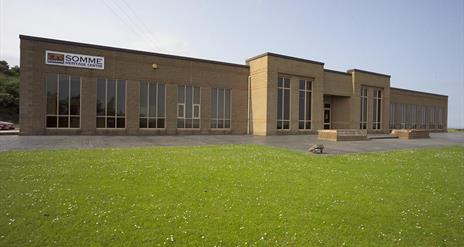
(327, 116)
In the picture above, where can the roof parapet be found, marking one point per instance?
(110, 48)
(414, 91)
(367, 72)
(284, 57)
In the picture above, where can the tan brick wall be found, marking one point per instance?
(371, 81)
(295, 70)
(259, 96)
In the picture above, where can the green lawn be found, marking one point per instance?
(231, 195)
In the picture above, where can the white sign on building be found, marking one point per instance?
(74, 60)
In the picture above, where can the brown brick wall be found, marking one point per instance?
(258, 79)
(132, 68)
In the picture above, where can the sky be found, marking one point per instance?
(419, 43)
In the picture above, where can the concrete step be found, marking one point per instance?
(381, 137)
(9, 132)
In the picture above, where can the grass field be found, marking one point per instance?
(451, 130)
(233, 195)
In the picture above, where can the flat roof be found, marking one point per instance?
(367, 72)
(285, 57)
(109, 48)
(338, 72)
(414, 91)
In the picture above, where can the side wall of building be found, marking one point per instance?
(408, 108)
(132, 67)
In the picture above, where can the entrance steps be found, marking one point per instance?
(376, 137)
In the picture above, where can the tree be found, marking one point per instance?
(4, 67)
(9, 92)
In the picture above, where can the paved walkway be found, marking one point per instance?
(294, 142)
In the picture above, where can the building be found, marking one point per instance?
(75, 88)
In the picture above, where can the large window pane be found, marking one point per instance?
(301, 106)
(196, 98)
(227, 105)
(221, 104)
(75, 95)
(63, 95)
(308, 105)
(63, 122)
(52, 95)
(286, 104)
(161, 101)
(121, 98)
(188, 107)
(188, 102)
(74, 122)
(143, 100)
(52, 122)
(279, 103)
(283, 103)
(181, 94)
(111, 94)
(363, 108)
(101, 97)
(111, 98)
(220, 108)
(214, 103)
(304, 104)
(152, 100)
(63, 101)
(101, 122)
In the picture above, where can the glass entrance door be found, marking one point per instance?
(327, 116)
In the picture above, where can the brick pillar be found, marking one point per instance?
(132, 107)
(171, 108)
(88, 105)
(294, 104)
(205, 112)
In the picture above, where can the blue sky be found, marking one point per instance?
(419, 43)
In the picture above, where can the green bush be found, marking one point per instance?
(9, 92)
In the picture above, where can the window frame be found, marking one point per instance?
(157, 84)
(185, 110)
(377, 107)
(305, 92)
(440, 118)
(283, 88)
(392, 115)
(116, 103)
(363, 121)
(57, 115)
(224, 110)
(402, 116)
(423, 122)
(431, 122)
(413, 116)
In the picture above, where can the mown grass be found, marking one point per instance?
(451, 130)
(233, 195)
